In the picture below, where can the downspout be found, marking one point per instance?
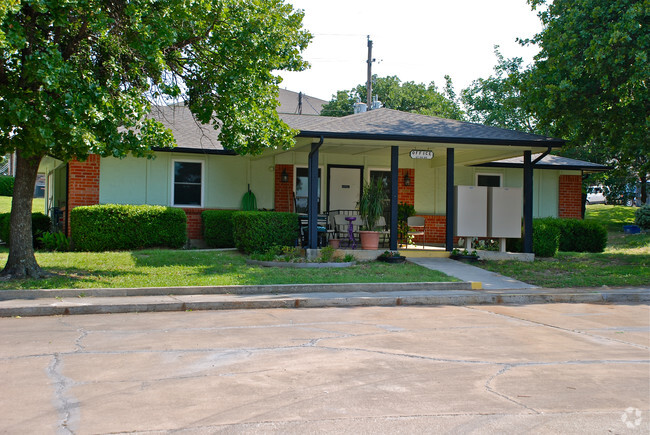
(541, 156)
(312, 212)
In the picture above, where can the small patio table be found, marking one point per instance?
(351, 232)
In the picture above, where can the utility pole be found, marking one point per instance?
(369, 81)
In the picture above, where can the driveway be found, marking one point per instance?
(561, 368)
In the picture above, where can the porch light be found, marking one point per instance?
(284, 177)
(407, 179)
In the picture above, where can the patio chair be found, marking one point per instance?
(416, 227)
(383, 232)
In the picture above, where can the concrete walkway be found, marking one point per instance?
(468, 273)
(477, 287)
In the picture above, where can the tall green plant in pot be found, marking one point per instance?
(371, 207)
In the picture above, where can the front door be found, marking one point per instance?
(344, 187)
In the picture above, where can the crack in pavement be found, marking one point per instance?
(67, 407)
(559, 328)
(489, 388)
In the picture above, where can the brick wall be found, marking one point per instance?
(570, 197)
(83, 183)
(283, 191)
(405, 194)
(194, 224)
(435, 230)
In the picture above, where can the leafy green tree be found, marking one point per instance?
(341, 104)
(590, 82)
(79, 76)
(497, 101)
(398, 95)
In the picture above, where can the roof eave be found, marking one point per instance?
(196, 151)
(547, 166)
(553, 143)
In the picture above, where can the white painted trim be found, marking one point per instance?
(172, 178)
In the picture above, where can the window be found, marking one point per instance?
(302, 189)
(188, 184)
(489, 180)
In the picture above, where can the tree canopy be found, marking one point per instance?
(497, 100)
(78, 77)
(590, 79)
(398, 95)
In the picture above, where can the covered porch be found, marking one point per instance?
(421, 159)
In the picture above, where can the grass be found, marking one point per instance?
(165, 268)
(625, 262)
(38, 205)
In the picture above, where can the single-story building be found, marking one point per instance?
(422, 158)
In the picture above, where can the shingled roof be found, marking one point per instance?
(394, 125)
(376, 125)
(549, 162)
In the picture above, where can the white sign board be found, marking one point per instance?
(422, 154)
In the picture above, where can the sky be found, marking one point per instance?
(416, 40)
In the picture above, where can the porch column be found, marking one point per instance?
(394, 167)
(312, 196)
(449, 236)
(528, 203)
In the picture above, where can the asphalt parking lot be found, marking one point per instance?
(546, 368)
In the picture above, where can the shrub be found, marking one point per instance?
(6, 185)
(579, 235)
(218, 230)
(125, 227)
(545, 239)
(54, 241)
(258, 231)
(642, 217)
(40, 224)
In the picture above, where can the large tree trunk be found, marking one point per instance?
(644, 190)
(21, 262)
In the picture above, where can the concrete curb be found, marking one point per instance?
(49, 307)
(234, 290)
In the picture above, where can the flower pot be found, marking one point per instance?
(335, 243)
(369, 240)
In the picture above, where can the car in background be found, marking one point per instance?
(596, 195)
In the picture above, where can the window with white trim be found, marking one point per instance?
(187, 183)
(489, 180)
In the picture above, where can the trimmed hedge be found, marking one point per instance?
(546, 239)
(218, 229)
(124, 227)
(579, 235)
(40, 224)
(642, 217)
(6, 185)
(575, 235)
(258, 231)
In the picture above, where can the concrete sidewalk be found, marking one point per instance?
(469, 273)
(477, 287)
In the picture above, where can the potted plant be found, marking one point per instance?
(404, 211)
(371, 207)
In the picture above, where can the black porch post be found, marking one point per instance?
(449, 236)
(394, 167)
(312, 196)
(528, 203)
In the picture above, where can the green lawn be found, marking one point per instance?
(164, 268)
(38, 204)
(625, 262)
